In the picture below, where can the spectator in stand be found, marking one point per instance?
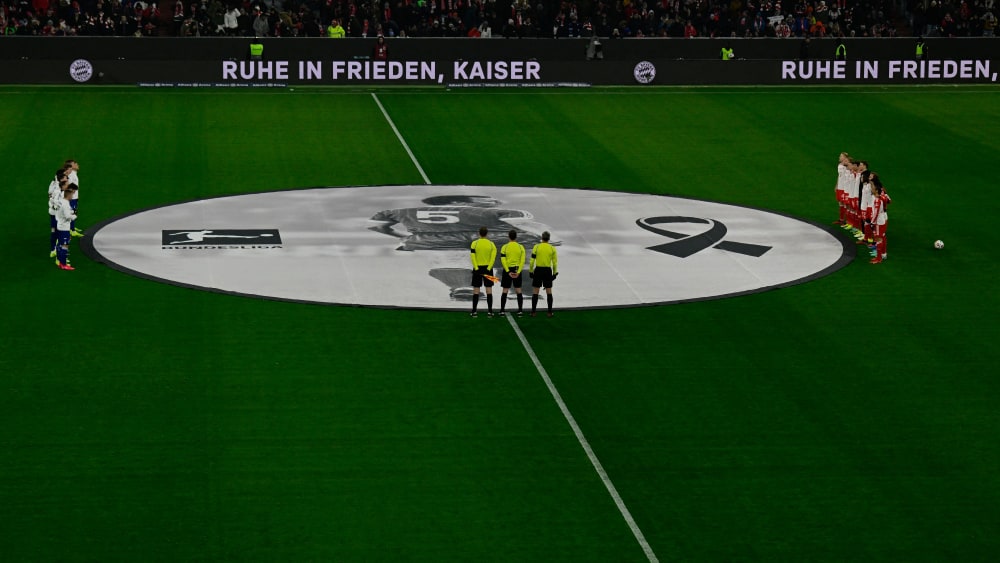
(948, 26)
(244, 23)
(833, 15)
(934, 16)
(759, 26)
(178, 17)
(189, 28)
(230, 22)
(260, 23)
(817, 29)
(689, 30)
(822, 13)
(527, 29)
(509, 30)
(989, 24)
(286, 25)
(782, 30)
(216, 17)
(801, 26)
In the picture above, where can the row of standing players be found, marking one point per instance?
(863, 201)
(542, 269)
(64, 196)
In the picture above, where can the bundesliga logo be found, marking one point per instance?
(216, 238)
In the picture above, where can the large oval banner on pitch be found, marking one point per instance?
(409, 246)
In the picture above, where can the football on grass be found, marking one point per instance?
(938, 244)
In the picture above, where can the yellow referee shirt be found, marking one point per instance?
(484, 253)
(512, 257)
(543, 255)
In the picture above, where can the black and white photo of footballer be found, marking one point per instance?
(451, 223)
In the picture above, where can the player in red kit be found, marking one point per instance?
(851, 180)
(839, 191)
(865, 207)
(880, 220)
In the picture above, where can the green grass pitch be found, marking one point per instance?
(855, 417)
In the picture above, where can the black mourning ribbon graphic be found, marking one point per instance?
(686, 245)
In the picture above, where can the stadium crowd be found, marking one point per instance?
(499, 18)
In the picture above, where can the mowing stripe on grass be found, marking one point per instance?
(612, 490)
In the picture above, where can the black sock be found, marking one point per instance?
(489, 302)
(534, 302)
(503, 302)
(475, 301)
(550, 302)
(520, 303)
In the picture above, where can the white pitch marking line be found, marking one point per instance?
(586, 445)
(401, 140)
(555, 393)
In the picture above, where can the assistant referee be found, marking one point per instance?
(484, 254)
(544, 267)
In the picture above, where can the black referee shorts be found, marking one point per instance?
(477, 277)
(507, 282)
(542, 277)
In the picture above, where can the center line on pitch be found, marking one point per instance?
(612, 490)
(401, 140)
(586, 445)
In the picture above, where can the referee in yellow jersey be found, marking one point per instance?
(544, 267)
(484, 253)
(512, 259)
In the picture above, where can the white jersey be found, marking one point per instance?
(842, 175)
(867, 199)
(74, 179)
(64, 215)
(854, 186)
(55, 194)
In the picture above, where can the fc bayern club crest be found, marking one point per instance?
(81, 70)
(644, 72)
